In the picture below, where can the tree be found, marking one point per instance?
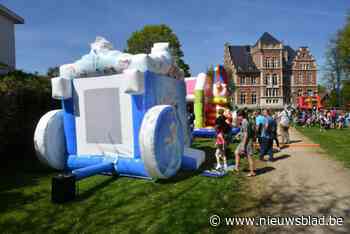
(345, 92)
(321, 88)
(53, 71)
(334, 68)
(344, 45)
(337, 68)
(143, 40)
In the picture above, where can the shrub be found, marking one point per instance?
(24, 98)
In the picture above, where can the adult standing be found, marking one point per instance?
(284, 126)
(274, 131)
(266, 145)
(245, 147)
(259, 125)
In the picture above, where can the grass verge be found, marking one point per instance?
(106, 204)
(335, 141)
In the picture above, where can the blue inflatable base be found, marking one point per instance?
(210, 132)
(88, 165)
(84, 172)
(217, 173)
(188, 163)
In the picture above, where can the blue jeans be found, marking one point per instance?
(266, 147)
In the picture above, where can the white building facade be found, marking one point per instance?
(8, 20)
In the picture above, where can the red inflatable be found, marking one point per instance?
(307, 102)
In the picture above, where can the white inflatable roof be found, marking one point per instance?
(104, 60)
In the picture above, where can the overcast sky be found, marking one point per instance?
(58, 32)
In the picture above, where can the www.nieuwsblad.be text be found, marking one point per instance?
(216, 220)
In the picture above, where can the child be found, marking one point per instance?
(341, 121)
(322, 120)
(220, 148)
(328, 120)
(308, 121)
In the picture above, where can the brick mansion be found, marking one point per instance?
(269, 73)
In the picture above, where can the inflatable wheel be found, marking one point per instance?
(161, 141)
(49, 140)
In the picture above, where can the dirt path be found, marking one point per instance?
(303, 181)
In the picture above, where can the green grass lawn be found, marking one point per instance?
(336, 142)
(118, 205)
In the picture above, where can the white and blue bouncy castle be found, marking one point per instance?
(121, 113)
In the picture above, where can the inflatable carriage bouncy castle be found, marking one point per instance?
(209, 94)
(121, 113)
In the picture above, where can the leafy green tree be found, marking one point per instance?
(321, 88)
(333, 68)
(345, 92)
(343, 45)
(337, 67)
(53, 71)
(143, 40)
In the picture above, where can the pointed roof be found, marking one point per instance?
(267, 38)
(11, 15)
(291, 54)
(242, 59)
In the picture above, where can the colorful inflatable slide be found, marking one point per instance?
(208, 94)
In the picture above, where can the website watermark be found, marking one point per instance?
(216, 220)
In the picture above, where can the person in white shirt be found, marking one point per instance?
(284, 126)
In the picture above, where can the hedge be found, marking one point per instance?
(24, 98)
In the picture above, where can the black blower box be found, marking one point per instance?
(63, 188)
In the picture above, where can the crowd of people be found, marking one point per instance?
(255, 128)
(324, 119)
(263, 128)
